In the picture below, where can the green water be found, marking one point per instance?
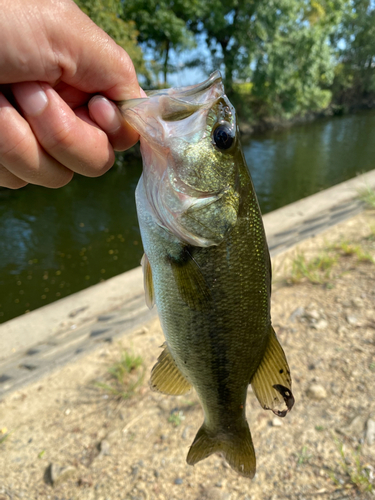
(57, 242)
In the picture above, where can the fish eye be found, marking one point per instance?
(223, 136)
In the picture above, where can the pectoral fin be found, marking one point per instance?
(190, 281)
(272, 383)
(166, 376)
(147, 282)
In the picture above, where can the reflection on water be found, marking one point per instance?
(294, 163)
(56, 242)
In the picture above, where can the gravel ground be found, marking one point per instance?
(66, 437)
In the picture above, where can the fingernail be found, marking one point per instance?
(31, 97)
(107, 115)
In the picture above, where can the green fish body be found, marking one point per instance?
(207, 266)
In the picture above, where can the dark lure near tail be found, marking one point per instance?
(207, 266)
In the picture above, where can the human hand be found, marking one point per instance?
(53, 59)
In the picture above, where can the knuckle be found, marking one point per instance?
(60, 137)
(17, 148)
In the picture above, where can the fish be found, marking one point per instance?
(206, 266)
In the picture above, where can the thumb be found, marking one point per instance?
(89, 59)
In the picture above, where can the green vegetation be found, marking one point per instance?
(351, 469)
(280, 59)
(368, 196)
(316, 270)
(162, 27)
(176, 418)
(4, 435)
(125, 376)
(348, 249)
(304, 456)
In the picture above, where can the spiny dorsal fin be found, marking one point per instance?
(147, 282)
(236, 447)
(272, 383)
(166, 376)
(190, 281)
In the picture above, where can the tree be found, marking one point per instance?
(295, 65)
(263, 35)
(107, 15)
(163, 26)
(231, 29)
(355, 75)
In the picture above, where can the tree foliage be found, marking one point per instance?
(278, 57)
(355, 73)
(163, 26)
(281, 45)
(294, 66)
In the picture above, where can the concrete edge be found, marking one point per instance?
(76, 309)
(85, 306)
(294, 214)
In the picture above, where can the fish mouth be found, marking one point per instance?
(178, 113)
(170, 105)
(189, 92)
(169, 122)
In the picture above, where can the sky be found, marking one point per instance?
(184, 76)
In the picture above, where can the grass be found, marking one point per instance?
(348, 249)
(4, 435)
(316, 270)
(176, 418)
(368, 196)
(125, 376)
(352, 472)
(303, 457)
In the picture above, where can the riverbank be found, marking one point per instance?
(99, 446)
(248, 128)
(57, 242)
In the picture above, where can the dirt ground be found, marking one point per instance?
(97, 446)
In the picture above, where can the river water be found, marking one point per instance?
(57, 242)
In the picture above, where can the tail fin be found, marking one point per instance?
(236, 447)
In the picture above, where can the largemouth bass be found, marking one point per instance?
(206, 266)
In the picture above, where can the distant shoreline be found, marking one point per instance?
(277, 123)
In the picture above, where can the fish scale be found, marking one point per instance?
(207, 267)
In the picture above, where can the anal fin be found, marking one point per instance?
(147, 282)
(166, 376)
(272, 383)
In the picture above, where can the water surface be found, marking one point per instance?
(56, 242)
